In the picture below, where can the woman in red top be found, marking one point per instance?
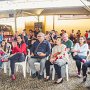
(18, 54)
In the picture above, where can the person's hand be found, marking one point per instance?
(42, 54)
(32, 54)
(78, 51)
(75, 53)
(14, 44)
(52, 60)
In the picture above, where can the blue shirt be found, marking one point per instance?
(44, 47)
(1, 38)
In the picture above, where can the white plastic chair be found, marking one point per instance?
(66, 71)
(37, 65)
(64, 67)
(23, 64)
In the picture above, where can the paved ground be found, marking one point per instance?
(28, 83)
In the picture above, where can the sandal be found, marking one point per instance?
(58, 81)
(13, 77)
(47, 78)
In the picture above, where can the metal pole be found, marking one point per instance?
(38, 18)
(15, 19)
(53, 22)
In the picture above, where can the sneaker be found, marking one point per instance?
(13, 77)
(6, 60)
(83, 60)
(40, 76)
(34, 75)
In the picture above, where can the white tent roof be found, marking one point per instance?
(44, 7)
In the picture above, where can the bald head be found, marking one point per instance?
(41, 36)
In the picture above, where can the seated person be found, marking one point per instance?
(4, 54)
(56, 58)
(19, 52)
(84, 70)
(67, 42)
(39, 52)
(80, 53)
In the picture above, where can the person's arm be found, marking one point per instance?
(84, 49)
(21, 49)
(48, 51)
(75, 48)
(63, 52)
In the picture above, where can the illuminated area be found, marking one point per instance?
(30, 4)
(46, 11)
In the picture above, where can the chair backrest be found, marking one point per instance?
(88, 55)
(28, 53)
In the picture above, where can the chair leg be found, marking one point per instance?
(24, 71)
(16, 68)
(30, 72)
(5, 67)
(67, 76)
(27, 68)
(53, 73)
(44, 73)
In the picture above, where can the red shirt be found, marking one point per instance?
(22, 49)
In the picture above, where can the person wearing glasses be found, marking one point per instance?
(79, 53)
(40, 49)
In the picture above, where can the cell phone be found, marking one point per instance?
(39, 53)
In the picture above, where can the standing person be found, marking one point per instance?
(56, 59)
(78, 34)
(39, 52)
(19, 52)
(15, 35)
(36, 31)
(80, 53)
(62, 32)
(72, 36)
(25, 36)
(86, 34)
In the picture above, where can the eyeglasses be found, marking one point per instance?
(39, 36)
(80, 39)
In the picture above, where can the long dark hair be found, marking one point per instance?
(4, 45)
(21, 41)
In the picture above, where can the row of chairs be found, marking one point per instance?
(25, 67)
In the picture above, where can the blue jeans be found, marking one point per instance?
(57, 68)
(78, 60)
(0, 64)
(18, 57)
(84, 67)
